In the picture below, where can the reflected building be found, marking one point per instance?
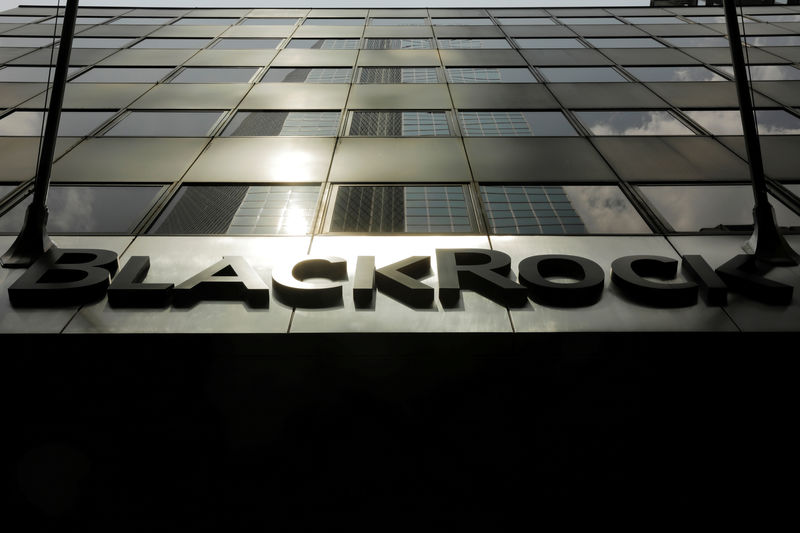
(228, 145)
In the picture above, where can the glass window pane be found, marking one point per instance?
(308, 75)
(122, 75)
(13, 19)
(141, 20)
(760, 72)
(166, 124)
(25, 42)
(398, 75)
(688, 73)
(398, 209)
(490, 75)
(98, 42)
(398, 44)
(473, 43)
(549, 43)
(324, 44)
(632, 123)
(274, 21)
(462, 22)
(773, 40)
(711, 207)
(399, 124)
(78, 20)
(534, 21)
(34, 74)
(285, 123)
(398, 21)
(625, 42)
(729, 121)
(239, 210)
(654, 20)
(574, 209)
(778, 18)
(334, 22)
(514, 123)
(713, 19)
(199, 21)
(589, 20)
(173, 43)
(246, 44)
(215, 75)
(72, 123)
(683, 42)
(581, 74)
(88, 209)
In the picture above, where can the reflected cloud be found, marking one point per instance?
(604, 209)
(632, 123)
(729, 122)
(675, 74)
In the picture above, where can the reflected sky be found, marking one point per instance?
(30, 74)
(604, 209)
(334, 22)
(88, 209)
(581, 74)
(72, 123)
(215, 75)
(178, 44)
(589, 20)
(246, 44)
(122, 75)
(489, 75)
(25, 42)
(208, 21)
(273, 21)
(715, 19)
(379, 21)
(141, 20)
(695, 42)
(767, 72)
(549, 43)
(685, 73)
(100, 42)
(78, 20)
(632, 123)
(473, 43)
(697, 207)
(778, 18)
(654, 20)
(533, 21)
(729, 121)
(166, 124)
(773, 40)
(625, 42)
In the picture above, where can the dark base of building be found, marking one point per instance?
(154, 429)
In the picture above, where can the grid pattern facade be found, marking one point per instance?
(545, 98)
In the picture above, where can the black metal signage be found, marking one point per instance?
(67, 277)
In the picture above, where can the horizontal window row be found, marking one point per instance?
(400, 21)
(441, 209)
(398, 123)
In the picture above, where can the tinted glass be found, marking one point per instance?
(538, 21)
(691, 42)
(284, 123)
(25, 42)
(398, 21)
(88, 209)
(760, 72)
(141, 20)
(239, 210)
(626, 42)
(122, 75)
(308, 75)
(655, 20)
(398, 44)
(198, 21)
(399, 209)
(713, 19)
(92, 42)
(632, 123)
(490, 75)
(399, 124)
(334, 22)
(729, 121)
(773, 40)
(473, 43)
(277, 21)
(514, 123)
(581, 74)
(78, 20)
(711, 207)
(72, 123)
(589, 20)
(462, 22)
(11, 19)
(166, 124)
(30, 73)
(215, 75)
(778, 18)
(246, 44)
(324, 44)
(398, 75)
(532, 209)
(692, 73)
(549, 43)
(173, 43)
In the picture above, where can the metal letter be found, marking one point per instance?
(743, 274)
(230, 279)
(534, 271)
(628, 273)
(712, 289)
(290, 285)
(364, 282)
(483, 271)
(127, 289)
(399, 280)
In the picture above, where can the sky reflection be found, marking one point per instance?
(729, 122)
(767, 72)
(632, 123)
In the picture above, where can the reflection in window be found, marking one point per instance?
(35, 74)
(711, 207)
(778, 18)
(284, 123)
(270, 21)
(400, 209)
(141, 20)
(462, 22)
(100, 42)
(489, 75)
(308, 75)
(71, 124)
(535, 209)
(473, 43)
(697, 42)
(122, 75)
(89, 209)
(397, 21)
(5, 189)
(398, 75)
(199, 21)
(729, 121)
(589, 20)
(239, 210)
(324, 44)
(760, 72)
(682, 73)
(166, 124)
(246, 44)
(14, 19)
(625, 42)
(714, 19)
(215, 75)
(180, 44)
(398, 44)
(773, 40)
(654, 20)
(581, 74)
(334, 22)
(549, 43)
(399, 124)
(632, 123)
(514, 123)
(533, 21)
(25, 42)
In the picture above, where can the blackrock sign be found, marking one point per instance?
(67, 277)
